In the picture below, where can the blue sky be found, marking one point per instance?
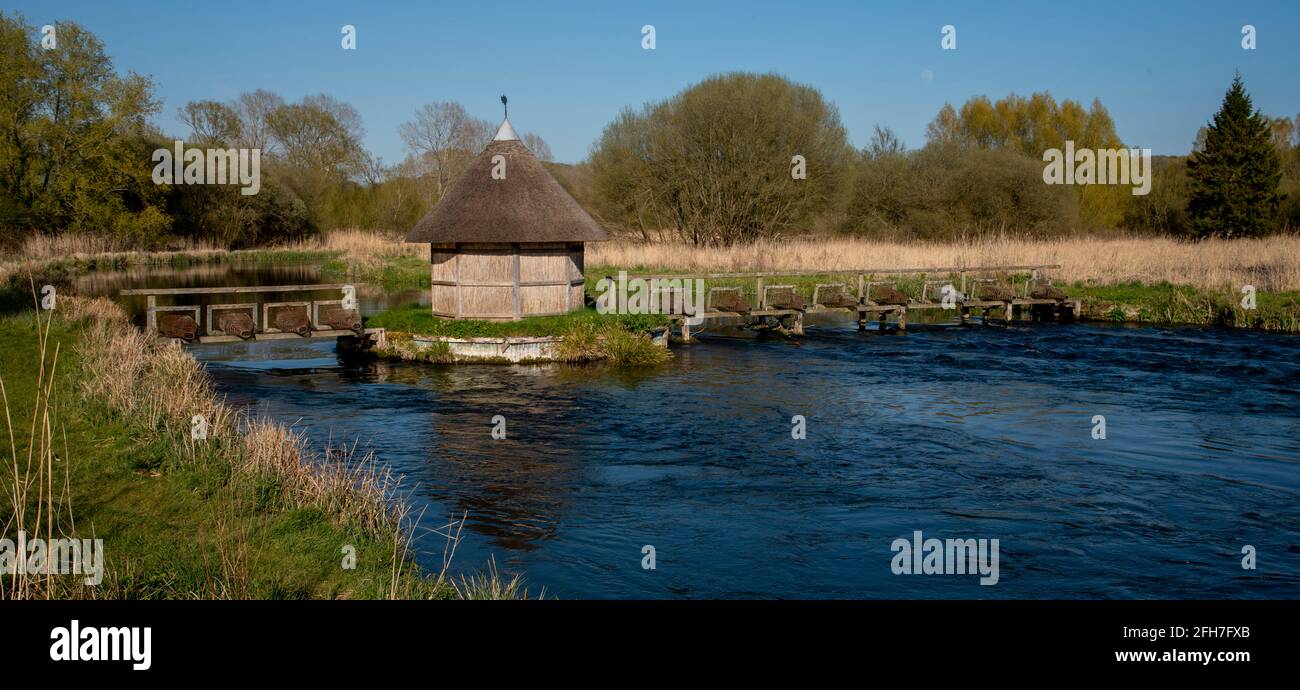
(569, 67)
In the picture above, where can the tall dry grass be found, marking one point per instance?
(362, 249)
(40, 503)
(1271, 263)
(364, 243)
(157, 385)
(69, 244)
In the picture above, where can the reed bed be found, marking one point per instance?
(362, 244)
(359, 253)
(1271, 263)
(67, 244)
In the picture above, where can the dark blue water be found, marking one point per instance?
(977, 432)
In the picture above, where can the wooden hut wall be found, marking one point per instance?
(506, 281)
(442, 259)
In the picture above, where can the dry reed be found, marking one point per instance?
(155, 385)
(38, 505)
(158, 386)
(1271, 263)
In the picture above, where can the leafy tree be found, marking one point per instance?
(948, 190)
(1030, 126)
(1234, 176)
(75, 150)
(714, 163)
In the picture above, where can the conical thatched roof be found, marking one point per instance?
(527, 206)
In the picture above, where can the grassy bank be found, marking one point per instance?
(585, 335)
(97, 443)
(418, 319)
(1180, 304)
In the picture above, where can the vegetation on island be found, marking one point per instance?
(584, 335)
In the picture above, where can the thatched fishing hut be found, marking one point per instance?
(506, 240)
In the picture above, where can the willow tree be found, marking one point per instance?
(737, 157)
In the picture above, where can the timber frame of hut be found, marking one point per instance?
(506, 240)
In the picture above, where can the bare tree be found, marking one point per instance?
(443, 138)
(538, 146)
(253, 109)
(884, 142)
(210, 122)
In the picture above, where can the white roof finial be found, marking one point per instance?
(506, 133)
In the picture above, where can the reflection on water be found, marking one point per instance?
(958, 432)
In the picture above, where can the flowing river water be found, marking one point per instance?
(957, 432)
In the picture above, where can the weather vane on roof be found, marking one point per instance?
(504, 106)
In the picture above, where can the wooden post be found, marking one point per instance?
(798, 324)
(902, 319)
(152, 321)
(514, 248)
(1009, 313)
(760, 299)
(686, 330)
(862, 282)
(963, 282)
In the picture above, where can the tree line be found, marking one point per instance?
(733, 158)
(76, 155)
(713, 165)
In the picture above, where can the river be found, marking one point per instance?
(957, 432)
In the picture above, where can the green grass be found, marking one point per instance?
(419, 320)
(1161, 303)
(180, 529)
(395, 273)
(1164, 303)
(585, 336)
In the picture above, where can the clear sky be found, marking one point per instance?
(568, 67)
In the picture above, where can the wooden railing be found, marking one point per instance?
(260, 310)
(761, 276)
